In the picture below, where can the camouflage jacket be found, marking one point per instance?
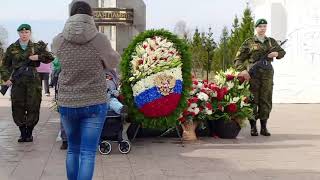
(252, 50)
(15, 57)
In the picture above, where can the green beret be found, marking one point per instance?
(24, 27)
(261, 21)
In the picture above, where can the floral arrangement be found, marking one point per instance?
(226, 98)
(156, 76)
(152, 56)
(233, 97)
(199, 103)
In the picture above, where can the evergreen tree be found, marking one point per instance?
(196, 51)
(209, 45)
(246, 29)
(229, 44)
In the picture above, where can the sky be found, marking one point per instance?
(47, 17)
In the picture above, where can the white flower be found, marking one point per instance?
(203, 96)
(230, 85)
(241, 86)
(131, 79)
(200, 85)
(235, 100)
(193, 105)
(208, 111)
(193, 92)
(213, 94)
(220, 80)
(196, 110)
(228, 71)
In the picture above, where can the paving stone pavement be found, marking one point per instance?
(291, 153)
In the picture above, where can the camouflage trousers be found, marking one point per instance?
(26, 99)
(261, 86)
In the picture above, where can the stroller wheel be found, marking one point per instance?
(124, 147)
(105, 148)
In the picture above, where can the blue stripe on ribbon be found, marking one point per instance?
(152, 94)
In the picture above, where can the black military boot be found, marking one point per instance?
(29, 137)
(23, 134)
(254, 131)
(264, 131)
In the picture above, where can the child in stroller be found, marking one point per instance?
(114, 129)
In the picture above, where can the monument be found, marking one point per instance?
(297, 77)
(120, 20)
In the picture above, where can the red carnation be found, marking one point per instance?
(182, 119)
(220, 107)
(232, 108)
(185, 113)
(203, 90)
(194, 100)
(221, 93)
(209, 106)
(205, 85)
(189, 103)
(195, 83)
(230, 77)
(213, 87)
(205, 81)
(225, 90)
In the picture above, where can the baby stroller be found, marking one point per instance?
(115, 127)
(114, 131)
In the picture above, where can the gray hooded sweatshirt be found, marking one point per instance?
(84, 54)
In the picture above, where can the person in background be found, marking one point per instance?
(252, 52)
(44, 71)
(113, 93)
(19, 71)
(56, 66)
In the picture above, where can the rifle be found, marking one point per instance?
(263, 61)
(16, 74)
(3, 89)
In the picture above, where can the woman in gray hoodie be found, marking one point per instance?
(84, 54)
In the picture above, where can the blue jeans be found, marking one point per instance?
(83, 127)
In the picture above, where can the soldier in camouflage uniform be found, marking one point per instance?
(261, 82)
(19, 65)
